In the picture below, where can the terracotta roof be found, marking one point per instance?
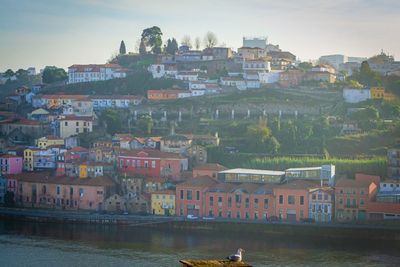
(298, 184)
(165, 91)
(352, 183)
(76, 118)
(93, 67)
(9, 156)
(149, 153)
(164, 192)
(78, 149)
(73, 97)
(211, 167)
(125, 97)
(45, 177)
(200, 181)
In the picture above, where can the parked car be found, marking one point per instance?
(191, 217)
(208, 218)
(307, 220)
(273, 219)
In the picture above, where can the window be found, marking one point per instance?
(211, 201)
(197, 195)
(247, 203)
(325, 197)
(280, 199)
(189, 194)
(153, 164)
(77, 123)
(238, 214)
(291, 200)
(313, 197)
(266, 203)
(219, 199)
(319, 197)
(81, 192)
(301, 200)
(133, 163)
(181, 194)
(361, 202)
(66, 123)
(229, 214)
(58, 189)
(229, 202)
(256, 203)
(238, 198)
(146, 164)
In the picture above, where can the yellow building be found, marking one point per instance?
(377, 92)
(28, 158)
(83, 170)
(50, 140)
(163, 202)
(389, 97)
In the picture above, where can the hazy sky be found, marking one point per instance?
(63, 32)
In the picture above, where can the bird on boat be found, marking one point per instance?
(237, 256)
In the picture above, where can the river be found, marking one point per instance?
(44, 244)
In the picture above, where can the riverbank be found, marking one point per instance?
(376, 231)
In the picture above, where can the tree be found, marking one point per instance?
(111, 121)
(368, 77)
(186, 40)
(145, 124)
(21, 72)
(54, 74)
(210, 40)
(197, 43)
(258, 135)
(305, 65)
(273, 145)
(122, 48)
(142, 48)
(9, 73)
(172, 46)
(152, 37)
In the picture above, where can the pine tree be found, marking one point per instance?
(122, 48)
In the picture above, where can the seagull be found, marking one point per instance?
(237, 256)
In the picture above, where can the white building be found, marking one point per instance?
(238, 82)
(73, 125)
(260, 42)
(114, 101)
(259, 65)
(333, 60)
(187, 76)
(95, 72)
(269, 77)
(157, 70)
(356, 95)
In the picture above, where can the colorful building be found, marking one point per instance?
(240, 201)
(292, 200)
(163, 202)
(46, 191)
(10, 164)
(50, 140)
(152, 163)
(377, 92)
(190, 196)
(321, 204)
(208, 169)
(353, 196)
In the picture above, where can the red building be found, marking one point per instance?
(152, 163)
(291, 78)
(190, 196)
(291, 200)
(244, 201)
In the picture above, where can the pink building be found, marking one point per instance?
(10, 164)
(45, 191)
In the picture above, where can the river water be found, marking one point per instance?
(40, 244)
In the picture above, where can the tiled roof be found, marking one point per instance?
(45, 177)
(200, 181)
(210, 167)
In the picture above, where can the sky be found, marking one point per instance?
(38, 33)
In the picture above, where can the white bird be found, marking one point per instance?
(237, 256)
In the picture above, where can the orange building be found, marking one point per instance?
(169, 94)
(292, 201)
(352, 197)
